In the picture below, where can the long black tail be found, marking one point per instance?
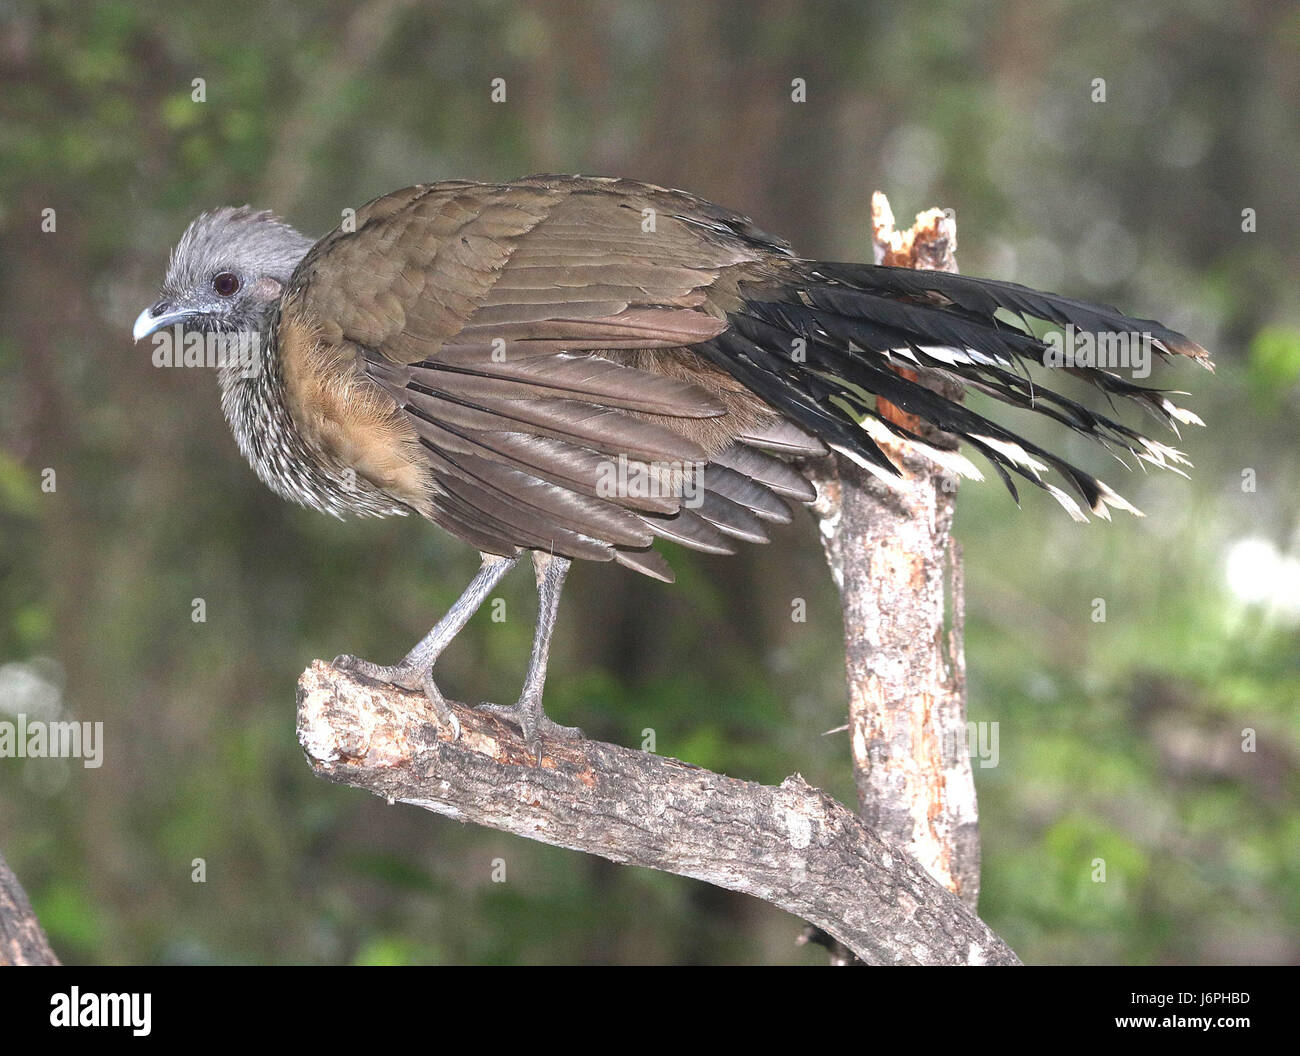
(858, 323)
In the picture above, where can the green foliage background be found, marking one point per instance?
(1118, 740)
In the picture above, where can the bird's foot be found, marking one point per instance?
(399, 675)
(404, 677)
(532, 722)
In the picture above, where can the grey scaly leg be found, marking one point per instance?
(415, 670)
(527, 714)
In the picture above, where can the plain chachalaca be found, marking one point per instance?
(578, 366)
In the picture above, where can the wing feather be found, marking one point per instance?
(494, 315)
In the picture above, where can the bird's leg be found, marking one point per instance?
(415, 670)
(527, 714)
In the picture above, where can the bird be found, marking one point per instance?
(576, 367)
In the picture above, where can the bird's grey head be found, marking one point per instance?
(226, 273)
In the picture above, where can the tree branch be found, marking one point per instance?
(892, 555)
(22, 942)
(791, 845)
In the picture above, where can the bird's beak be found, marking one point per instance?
(155, 318)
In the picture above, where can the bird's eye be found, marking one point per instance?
(226, 283)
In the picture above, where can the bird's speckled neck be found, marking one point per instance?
(253, 401)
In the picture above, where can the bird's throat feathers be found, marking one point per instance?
(296, 455)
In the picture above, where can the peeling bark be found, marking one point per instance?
(898, 569)
(790, 845)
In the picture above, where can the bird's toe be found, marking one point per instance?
(395, 675)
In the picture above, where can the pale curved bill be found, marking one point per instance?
(146, 324)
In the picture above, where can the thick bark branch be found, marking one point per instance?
(22, 942)
(898, 569)
(791, 845)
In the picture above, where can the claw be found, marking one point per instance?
(404, 677)
(532, 722)
(441, 708)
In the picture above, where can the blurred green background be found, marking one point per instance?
(1119, 740)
